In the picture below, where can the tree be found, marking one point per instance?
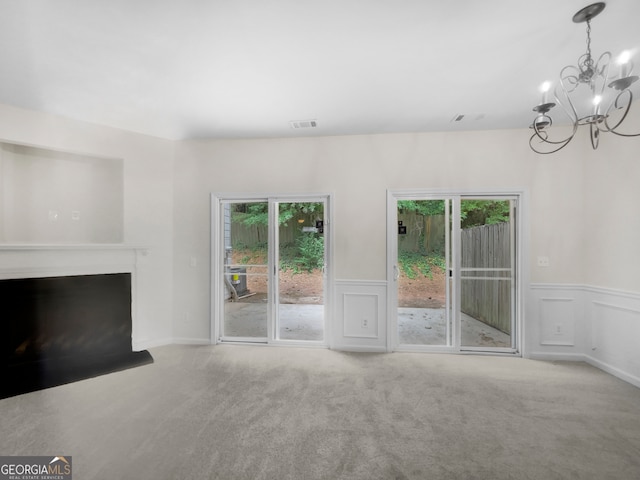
(422, 207)
(483, 212)
(306, 252)
(257, 213)
(472, 212)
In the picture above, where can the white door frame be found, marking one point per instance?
(521, 274)
(217, 263)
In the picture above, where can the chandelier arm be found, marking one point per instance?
(615, 104)
(544, 138)
(566, 102)
(627, 107)
(566, 142)
(603, 69)
(600, 81)
(569, 74)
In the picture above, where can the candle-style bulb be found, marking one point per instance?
(544, 88)
(596, 102)
(624, 61)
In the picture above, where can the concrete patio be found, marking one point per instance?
(416, 326)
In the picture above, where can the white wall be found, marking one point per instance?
(612, 198)
(611, 307)
(598, 318)
(581, 212)
(57, 197)
(148, 198)
(566, 191)
(358, 170)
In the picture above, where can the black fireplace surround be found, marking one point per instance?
(57, 330)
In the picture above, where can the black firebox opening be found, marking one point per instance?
(57, 330)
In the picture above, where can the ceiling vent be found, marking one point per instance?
(303, 124)
(467, 117)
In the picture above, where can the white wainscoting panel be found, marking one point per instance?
(360, 316)
(557, 321)
(597, 325)
(554, 323)
(615, 333)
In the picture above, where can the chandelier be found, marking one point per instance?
(587, 93)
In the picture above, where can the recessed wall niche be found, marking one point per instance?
(54, 197)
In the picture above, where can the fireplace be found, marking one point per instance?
(61, 329)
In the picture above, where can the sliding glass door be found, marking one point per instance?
(487, 273)
(454, 269)
(423, 260)
(244, 276)
(270, 259)
(301, 260)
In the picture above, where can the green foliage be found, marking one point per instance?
(250, 213)
(422, 207)
(414, 264)
(256, 254)
(240, 245)
(483, 212)
(307, 254)
(472, 212)
(438, 260)
(287, 211)
(257, 213)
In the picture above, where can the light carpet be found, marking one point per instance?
(242, 412)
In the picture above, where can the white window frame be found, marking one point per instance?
(217, 256)
(520, 278)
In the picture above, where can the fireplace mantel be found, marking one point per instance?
(41, 260)
(70, 246)
(18, 261)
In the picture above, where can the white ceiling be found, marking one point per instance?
(246, 68)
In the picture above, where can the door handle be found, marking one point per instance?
(396, 272)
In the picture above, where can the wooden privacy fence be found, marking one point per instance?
(432, 226)
(486, 294)
(257, 235)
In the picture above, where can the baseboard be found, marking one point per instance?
(556, 357)
(579, 357)
(616, 372)
(191, 341)
(146, 344)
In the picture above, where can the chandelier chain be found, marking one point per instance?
(589, 61)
